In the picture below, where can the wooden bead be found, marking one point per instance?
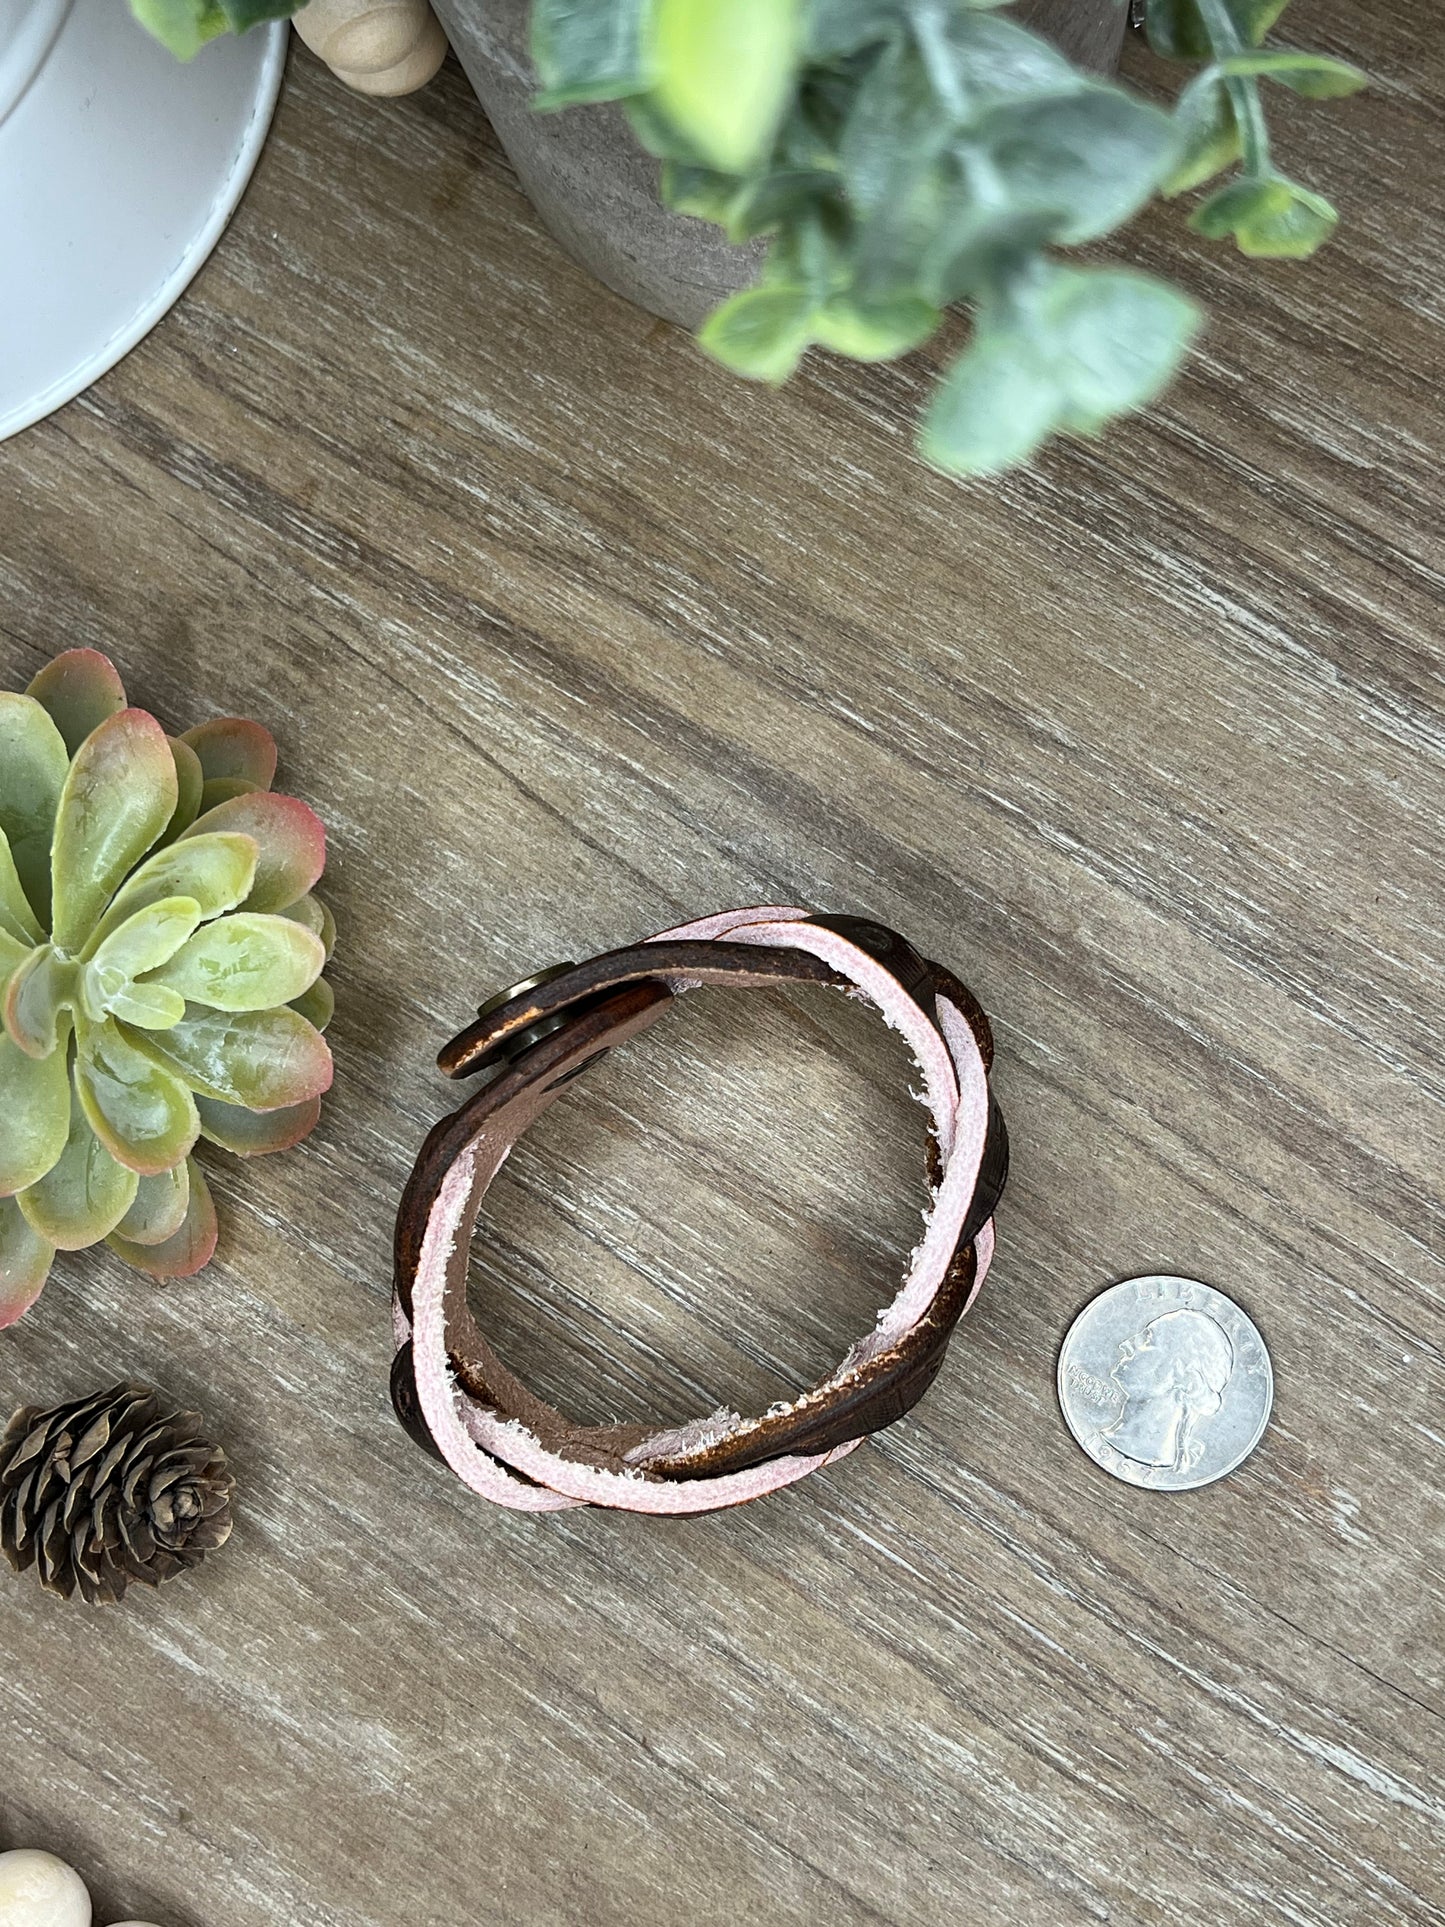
(37, 1890)
(375, 46)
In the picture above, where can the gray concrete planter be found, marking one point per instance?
(597, 190)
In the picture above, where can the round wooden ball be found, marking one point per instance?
(37, 1890)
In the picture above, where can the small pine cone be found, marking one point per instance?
(108, 1489)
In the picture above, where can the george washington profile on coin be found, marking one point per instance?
(1165, 1382)
(1173, 1376)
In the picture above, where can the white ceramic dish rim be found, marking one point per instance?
(193, 255)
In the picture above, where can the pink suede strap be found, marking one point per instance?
(461, 1403)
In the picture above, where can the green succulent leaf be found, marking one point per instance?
(13, 953)
(592, 50)
(189, 784)
(264, 1060)
(80, 689)
(189, 1248)
(34, 1114)
(217, 871)
(223, 789)
(234, 746)
(244, 962)
(761, 333)
(119, 795)
(145, 941)
(17, 919)
(317, 1005)
(38, 996)
(147, 1006)
(158, 1209)
(25, 1261)
(1273, 217)
(141, 1111)
(34, 763)
(251, 1134)
(83, 1196)
(1316, 76)
(724, 74)
(290, 840)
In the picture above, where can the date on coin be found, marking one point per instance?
(1165, 1383)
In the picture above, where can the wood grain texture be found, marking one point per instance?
(568, 636)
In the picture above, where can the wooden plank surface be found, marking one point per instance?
(567, 636)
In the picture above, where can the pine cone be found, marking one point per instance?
(110, 1488)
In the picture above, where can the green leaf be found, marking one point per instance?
(14, 952)
(241, 14)
(1272, 217)
(159, 1208)
(997, 405)
(317, 1005)
(290, 839)
(182, 25)
(38, 997)
(17, 918)
(147, 1006)
(83, 1196)
(34, 1114)
(262, 1059)
(838, 27)
(1075, 348)
(591, 50)
(761, 333)
(34, 763)
(875, 331)
(724, 74)
(217, 871)
(1115, 337)
(145, 941)
(25, 1261)
(894, 133)
(118, 798)
(1316, 76)
(80, 690)
(1208, 133)
(234, 746)
(1178, 31)
(140, 1111)
(223, 789)
(189, 784)
(251, 1134)
(700, 191)
(188, 1249)
(1089, 160)
(990, 61)
(244, 962)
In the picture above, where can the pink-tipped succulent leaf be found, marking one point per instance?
(160, 972)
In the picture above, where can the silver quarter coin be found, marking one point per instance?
(1165, 1383)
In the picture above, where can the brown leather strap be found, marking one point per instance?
(532, 1046)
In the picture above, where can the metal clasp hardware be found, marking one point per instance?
(508, 1050)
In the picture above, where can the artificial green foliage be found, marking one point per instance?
(160, 972)
(186, 25)
(902, 158)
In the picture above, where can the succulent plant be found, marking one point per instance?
(160, 972)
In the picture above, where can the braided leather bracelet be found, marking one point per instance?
(452, 1392)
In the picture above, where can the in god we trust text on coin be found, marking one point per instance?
(1165, 1383)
